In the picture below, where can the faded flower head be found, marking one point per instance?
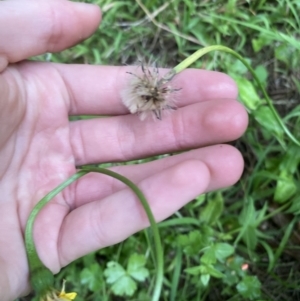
(147, 92)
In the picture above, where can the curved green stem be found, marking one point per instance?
(41, 277)
(154, 227)
(198, 54)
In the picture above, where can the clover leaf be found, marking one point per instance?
(124, 281)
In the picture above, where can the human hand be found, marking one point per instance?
(40, 148)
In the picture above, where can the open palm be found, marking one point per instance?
(40, 148)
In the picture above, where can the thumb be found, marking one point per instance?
(33, 27)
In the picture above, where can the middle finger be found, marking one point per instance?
(123, 138)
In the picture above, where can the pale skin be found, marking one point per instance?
(39, 147)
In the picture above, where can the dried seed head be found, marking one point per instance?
(147, 92)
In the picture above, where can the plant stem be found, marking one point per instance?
(199, 53)
(34, 261)
(41, 277)
(153, 225)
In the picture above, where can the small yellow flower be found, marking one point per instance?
(59, 296)
(66, 296)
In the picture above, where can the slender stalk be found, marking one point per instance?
(41, 282)
(153, 225)
(199, 53)
(41, 278)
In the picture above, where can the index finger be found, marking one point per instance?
(97, 89)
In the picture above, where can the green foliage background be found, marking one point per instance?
(241, 243)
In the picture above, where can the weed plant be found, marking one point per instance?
(241, 243)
